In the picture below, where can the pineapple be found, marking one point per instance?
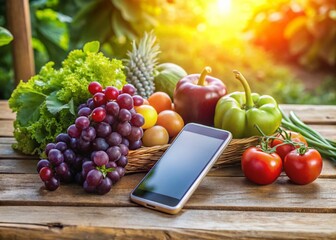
(141, 64)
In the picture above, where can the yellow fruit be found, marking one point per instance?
(156, 135)
(149, 113)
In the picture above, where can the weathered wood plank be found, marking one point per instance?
(7, 140)
(6, 128)
(313, 114)
(141, 223)
(6, 151)
(229, 193)
(18, 166)
(5, 111)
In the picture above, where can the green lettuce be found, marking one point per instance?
(46, 104)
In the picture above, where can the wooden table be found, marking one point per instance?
(225, 205)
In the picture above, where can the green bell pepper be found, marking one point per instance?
(239, 112)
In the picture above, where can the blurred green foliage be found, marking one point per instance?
(184, 35)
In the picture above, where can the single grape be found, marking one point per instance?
(114, 176)
(100, 144)
(112, 108)
(125, 141)
(111, 93)
(62, 169)
(136, 134)
(122, 161)
(55, 157)
(135, 145)
(62, 146)
(69, 156)
(105, 186)
(100, 158)
(124, 115)
(103, 129)
(42, 163)
(46, 174)
(124, 129)
(138, 100)
(125, 101)
(99, 99)
(114, 153)
(81, 106)
(94, 177)
(73, 131)
(82, 122)
(87, 167)
(90, 103)
(73, 143)
(52, 184)
(49, 147)
(137, 120)
(114, 139)
(89, 134)
(123, 149)
(63, 137)
(95, 87)
(85, 111)
(128, 88)
(112, 165)
(98, 114)
(109, 119)
(121, 171)
(132, 111)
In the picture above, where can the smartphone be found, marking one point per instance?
(176, 175)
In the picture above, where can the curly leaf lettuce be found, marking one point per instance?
(46, 103)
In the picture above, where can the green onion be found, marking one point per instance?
(326, 147)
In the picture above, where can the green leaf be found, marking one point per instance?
(92, 47)
(5, 36)
(30, 104)
(54, 105)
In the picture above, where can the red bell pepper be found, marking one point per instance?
(196, 96)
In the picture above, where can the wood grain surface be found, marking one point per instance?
(225, 205)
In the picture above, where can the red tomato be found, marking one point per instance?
(261, 167)
(285, 149)
(303, 168)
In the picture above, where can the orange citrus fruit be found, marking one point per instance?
(160, 101)
(171, 121)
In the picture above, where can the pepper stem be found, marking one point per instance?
(205, 71)
(247, 89)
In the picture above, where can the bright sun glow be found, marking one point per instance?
(224, 6)
(217, 11)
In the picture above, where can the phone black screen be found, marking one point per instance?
(172, 176)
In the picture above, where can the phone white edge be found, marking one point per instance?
(174, 210)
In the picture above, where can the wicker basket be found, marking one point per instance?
(141, 160)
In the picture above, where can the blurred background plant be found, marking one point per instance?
(284, 48)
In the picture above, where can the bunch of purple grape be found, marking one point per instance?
(94, 150)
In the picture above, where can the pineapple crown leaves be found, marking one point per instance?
(147, 50)
(141, 64)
